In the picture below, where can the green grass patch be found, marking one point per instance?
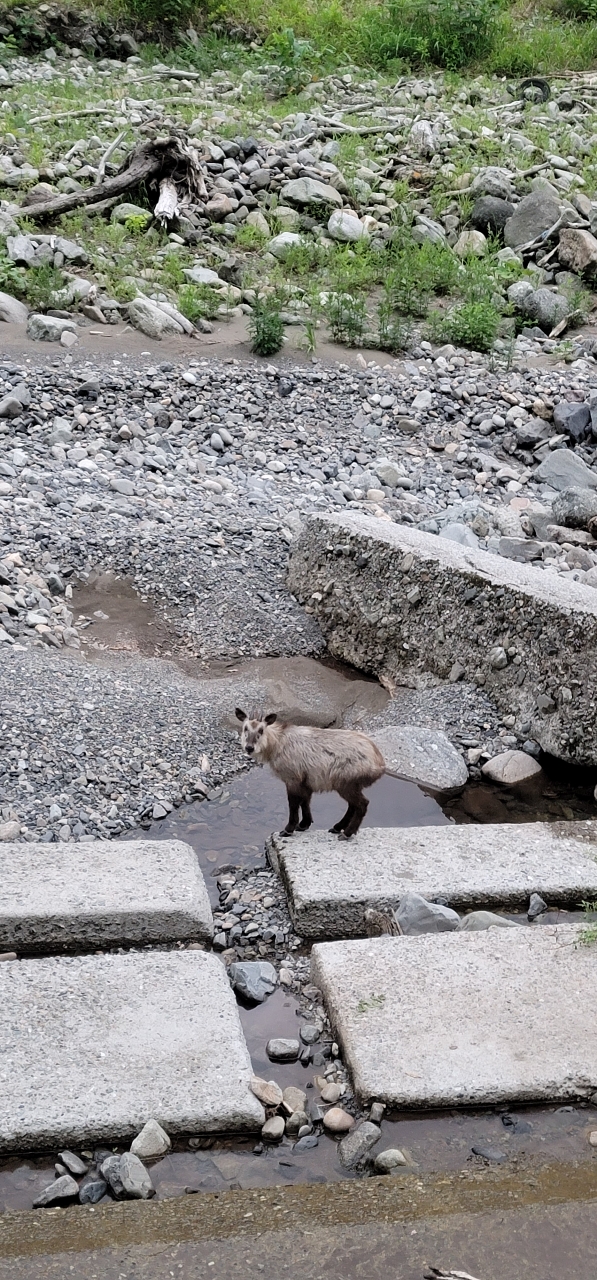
(265, 326)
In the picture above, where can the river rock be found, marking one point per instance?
(48, 328)
(268, 1092)
(273, 1129)
(574, 507)
(493, 181)
(577, 251)
(415, 915)
(294, 1099)
(511, 768)
(154, 322)
(344, 225)
(476, 921)
(562, 469)
(535, 213)
(11, 310)
(258, 220)
(9, 830)
(425, 756)
(135, 1178)
(253, 979)
(357, 1144)
(281, 245)
(388, 1160)
(92, 1189)
(152, 1141)
(422, 139)
(203, 275)
(574, 419)
(490, 214)
(336, 1120)
(110, 1170)
(73, 1163)
(121, 212)
(546, 308)
(10, 407)
(455, 531)
(304, 191)
(296, 1121)
(471, 244)
(282, 1050)
(64, 1188)
(537, 906)
(331, 1092)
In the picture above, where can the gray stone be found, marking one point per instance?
(562, 469)
(76, 896)
(282, 1050)
(305, 191)
(92, 1045)
(281, 245)
(526, 549)
(535, 213)
(110, 1170)
(512, 768)
(577, 250)
(254, 979)
(92, 1190)
(574, 419)
(422, 139)
(151, 1142)
(12, 311)
(344, 225)
(121, 212)
(203, 275)
(425, 756)
(390, 1159)
(537, 906)
(493, 181)
(455, 1020)
(415, 915)
(273, 1129)
(73, 1163)
(471, 244)
(135, 1178)
(151, 319)
(489, 214)
(331, 883)
(48, 328)
(518, 291)
(355, 1147)
(368, 619)
(546, 308)
(460, 533)
(20, 249)
(574, 507)
(426, 229)
(477, 921)
(64, 1188)
(10, 407)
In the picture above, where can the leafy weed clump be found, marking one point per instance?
(471, 324)
(198, 302)
(346, 316)
(266, 327)
(40, 284)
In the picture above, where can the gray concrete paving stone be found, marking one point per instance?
(66, 896)
(330, 882)
(473, 1019)
(91, 1047)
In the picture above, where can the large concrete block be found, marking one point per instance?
(331, 882)
(75, 896)
(416, 609)
(464, 1019)
(91, 1047)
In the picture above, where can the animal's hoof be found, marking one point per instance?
(304, 826)
(343, 836)
(335, 831)
(286, 832)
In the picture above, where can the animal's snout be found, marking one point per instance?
(249, 750)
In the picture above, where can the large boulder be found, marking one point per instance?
(577, 251)
(490, 214)
(574, 507)
(535, 213)
(151, 319)
(546, 308)
(563, 469)
(574, 419)
(121, 212)
(11, 310)
(512, 768)
(422, 755)
(415, 915)
(305, 191)
(49, 328)
(344, 225)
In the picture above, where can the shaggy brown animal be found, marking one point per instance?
(309, 760)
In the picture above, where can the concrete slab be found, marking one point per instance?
(331, 882)
(74, 896)
(414, 608)
(91, 1047)
(462, 1019)
(421, 755)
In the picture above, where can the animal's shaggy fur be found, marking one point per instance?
(309, 760)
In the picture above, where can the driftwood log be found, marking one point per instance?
(169, 168)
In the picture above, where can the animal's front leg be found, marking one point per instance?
(293, 814)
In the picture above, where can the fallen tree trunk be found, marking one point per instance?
(163, 160)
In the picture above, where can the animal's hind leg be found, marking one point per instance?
(344, 821)
(356, 800)
(307, 819)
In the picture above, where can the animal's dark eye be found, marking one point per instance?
(260, 733)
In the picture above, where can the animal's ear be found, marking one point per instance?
(269, 719)
(240, 715)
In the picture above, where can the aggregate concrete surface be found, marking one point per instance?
(94, 1046)
(438, 1021)
(411, 607)
(330, 882)
(66, 896)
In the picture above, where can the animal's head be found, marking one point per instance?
(252, 736)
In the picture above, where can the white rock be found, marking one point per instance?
(512, 767)
(257, 220)
(280, 245)
(11, 310)
(471, 244)
(388, 1160)
(151, 319)
(273, 1129)
(202, 275)
(421, 136)
(344, 225)
(151, 1141)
